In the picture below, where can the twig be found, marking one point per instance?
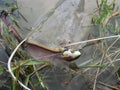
(9, 65)
(3, 62)
(40, 78)
(97, 4)
(97, 73)
(11, 56)
(112, 87)
(91, 40)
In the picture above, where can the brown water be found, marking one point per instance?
(65, 21)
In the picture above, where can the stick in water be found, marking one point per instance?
(91, 40)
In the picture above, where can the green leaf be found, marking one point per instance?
(27, 80)
(31, 62)
(1, 70)
(12, 6)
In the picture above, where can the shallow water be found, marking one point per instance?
(62, 27)
(65, 21)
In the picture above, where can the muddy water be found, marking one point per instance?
(62, 21)
(65, 22)
(33, 10)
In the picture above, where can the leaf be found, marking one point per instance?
(12, 6)
(1, 70)
(31, 62)
(27, 80)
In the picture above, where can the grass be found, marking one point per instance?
(23, 68)
(17, 69)
(105, 12)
